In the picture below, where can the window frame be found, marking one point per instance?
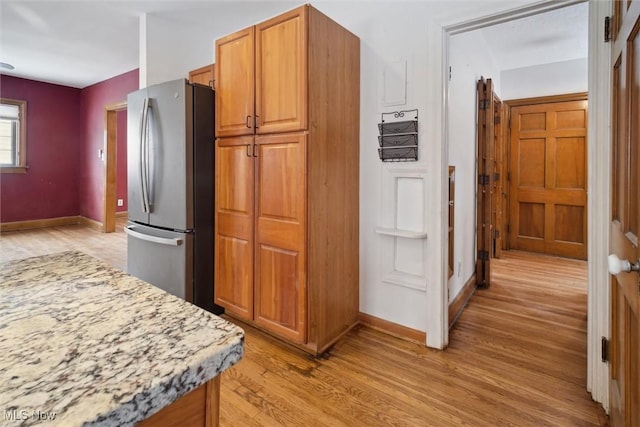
(21, 166)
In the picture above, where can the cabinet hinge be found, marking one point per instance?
(604, 349)
(607, 29)
(483, 104)
(483, 255)
(496, 120)
(483, 179)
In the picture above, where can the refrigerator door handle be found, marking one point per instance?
(147, 165)
(142, 160)
(130, 230)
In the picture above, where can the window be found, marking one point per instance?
(13, 136)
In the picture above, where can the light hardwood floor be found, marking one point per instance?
(109, 247)
(517, 355)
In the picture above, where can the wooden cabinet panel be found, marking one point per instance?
(235, 84)
(281, 73)
(203, 75)
(262, 77)
(280, 234)
(288, 190)
(234, 219)
(280, 293)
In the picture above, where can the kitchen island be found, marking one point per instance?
(85, 344)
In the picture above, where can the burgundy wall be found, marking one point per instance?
(92, 102)
(121, 160)
(65, 129)
(50, 187)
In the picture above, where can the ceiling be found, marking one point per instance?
(554, 36)
(82, 42)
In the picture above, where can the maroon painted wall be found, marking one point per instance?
(92, 102)
(121, 160)
(50, 188)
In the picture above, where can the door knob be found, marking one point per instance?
(617, 265)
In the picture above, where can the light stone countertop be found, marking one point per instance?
(85, 344)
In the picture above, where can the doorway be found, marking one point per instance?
(115, 168)
(598, 158)
(520, 66)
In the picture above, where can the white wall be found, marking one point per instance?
(173, 49)
(470, 59)
(557, 78)
(181, 41)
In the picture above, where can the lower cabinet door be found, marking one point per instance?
(234, 219)
(280, 288)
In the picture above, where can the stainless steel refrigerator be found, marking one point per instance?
(170, 165)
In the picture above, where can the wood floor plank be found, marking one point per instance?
(517, 355)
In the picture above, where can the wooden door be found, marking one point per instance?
(485, 180)
(548, 189)
(235, 73)
(498, 193)
(280, 251)
(281, 72)
(234, 221)
(624, 387)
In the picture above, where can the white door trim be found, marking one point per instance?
(599, 210)
(599, 87)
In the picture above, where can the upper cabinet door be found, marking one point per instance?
(281, 73)
(235, 84)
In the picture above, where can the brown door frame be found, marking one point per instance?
(485, 185)
(507, 106)
(110, 167)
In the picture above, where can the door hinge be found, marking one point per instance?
(483, 255)
(483, 179)
(449, 73)
(483, 104)
(607, 29)
(604, 349)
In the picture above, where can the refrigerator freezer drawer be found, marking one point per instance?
(162, 258)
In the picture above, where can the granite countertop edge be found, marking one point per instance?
(167, 392)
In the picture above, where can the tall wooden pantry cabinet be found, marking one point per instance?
(287, 154)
